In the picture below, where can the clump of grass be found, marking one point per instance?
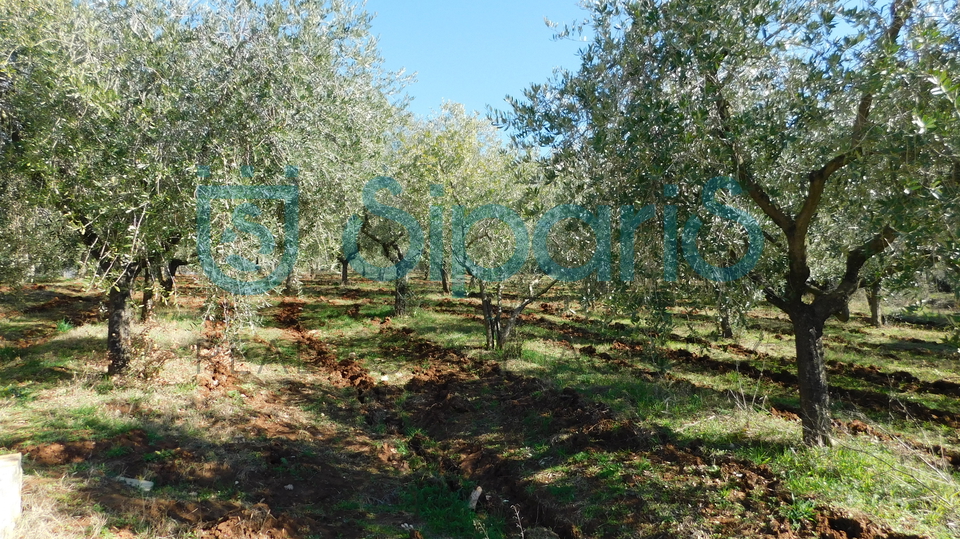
(9, 353)
(159, 456)
(52, 510)
(869, 476)
(800, 511)
(445, 511)
(64, 326)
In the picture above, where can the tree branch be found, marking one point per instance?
(818, 178)
(776, 300)
(859, 256)
(771, 296)
(741, 166)
(836, 300)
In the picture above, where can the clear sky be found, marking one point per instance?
(473, 52)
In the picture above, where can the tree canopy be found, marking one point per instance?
(834, 120)
(111, 108)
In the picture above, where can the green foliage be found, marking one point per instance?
(159, 456)
(9, 353)
(111, 108)
(113, 105)
(823, 114)
(444, 509)
(953, 338)
(677, 92)
(800, 511)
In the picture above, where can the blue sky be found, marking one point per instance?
(472, 52)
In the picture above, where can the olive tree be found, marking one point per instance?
(824, 114)
(119, 103)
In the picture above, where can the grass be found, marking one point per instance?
(443, 509)
(875, 479)
(63, 326)
(604, 468)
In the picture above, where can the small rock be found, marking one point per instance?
(474, 498)
(288, 487)
(137, 483)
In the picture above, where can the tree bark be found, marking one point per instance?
(146, 309)
(491, 318)
(401, 294)
(168, 281)
(344, 276)
(118, 323)
(726, 327)
(291, 285)
(812, 376)
(499, 329)
(444, 280)
(873, 298)
(506, 329)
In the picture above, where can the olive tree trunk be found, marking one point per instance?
(118, 322)
(873, 298)
(344, 276)
(146, 308)
(499, 328)
(726, 326)
(812, 377)
(401, 295)
(444, 279)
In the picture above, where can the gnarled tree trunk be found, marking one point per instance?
(167, 281)
(146, 308)
(118, 322)
(812, 377)
(444, 279)
(344, 276)
(726, 326)
(499, 328)
(873, 298)
(401, 293)
(291, 285)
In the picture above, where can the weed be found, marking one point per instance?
(445, 510)
(578, 471)
(118, 451)
(759, 454)
(799, 512)
(159, 456)
(64, 326)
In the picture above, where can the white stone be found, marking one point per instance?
(11, 481)
(137, 483)
(474, 498)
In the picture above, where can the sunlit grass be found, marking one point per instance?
(55, 391)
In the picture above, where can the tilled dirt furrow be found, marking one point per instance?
(446, 392)
(898, 380)
(869, 400)
(902, 381)
(947, 455)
